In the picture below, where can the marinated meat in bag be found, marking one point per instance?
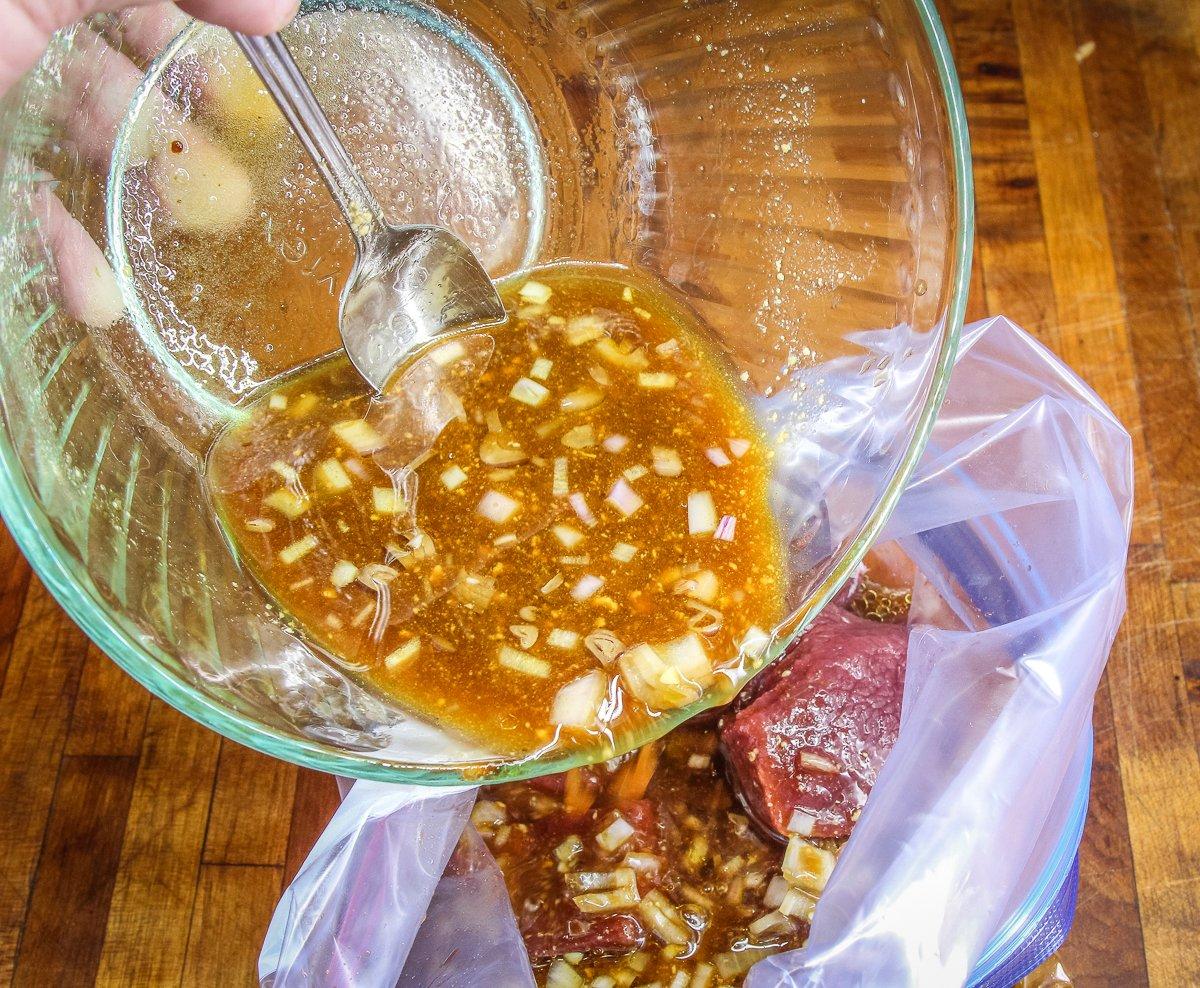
(806, 748)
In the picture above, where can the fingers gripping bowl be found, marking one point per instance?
(795, 172)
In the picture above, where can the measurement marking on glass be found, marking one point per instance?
(121, 557)
(23, 280)
(64, 430)
(90, 488)
(37, 324)
(55, 367)
(164, 565)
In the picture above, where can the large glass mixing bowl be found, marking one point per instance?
(798, 171)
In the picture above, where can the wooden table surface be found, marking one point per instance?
(137, 848)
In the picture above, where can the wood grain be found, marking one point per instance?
(138, 849)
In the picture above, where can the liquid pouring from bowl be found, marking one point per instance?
(409, 285)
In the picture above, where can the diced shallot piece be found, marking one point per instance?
(580, 506)
(586, 586)
(535, 292)
(615, 443)
(403, 655)
(568, 536)
(623, 552)
(624, 498)
(453, 477)
(578, 703)
(739, 447)
(344, 573)
(332, 476)
(666, 462)
(528, 392)
(523, 662)
(702, 513)
(716, 456)
(359, 435)
(298, 550)
(497, 508)
(725, 528)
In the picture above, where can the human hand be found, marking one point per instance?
(28, 24)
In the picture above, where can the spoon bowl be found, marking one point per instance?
(409, 284)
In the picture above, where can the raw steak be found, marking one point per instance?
(818, 726)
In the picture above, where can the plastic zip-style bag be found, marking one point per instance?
(962, 867)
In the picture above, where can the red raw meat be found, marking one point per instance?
(819, 724)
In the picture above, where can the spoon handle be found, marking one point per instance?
(279, 72)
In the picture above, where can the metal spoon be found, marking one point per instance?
(409, 284)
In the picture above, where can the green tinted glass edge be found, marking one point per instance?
(146, 663)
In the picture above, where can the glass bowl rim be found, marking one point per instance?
(149, 665)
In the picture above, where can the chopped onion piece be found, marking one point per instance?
(649, 678)
(656, 380)
(497, 507)
(580, 506)
(288, 503)
(583, 329)
(373, 576)
(586, 586)
(562, 975)
(499, 449)
(298, 550)
(277, 403)
(702, 513)
(445, 355)
(607, 902)
(667, 348)
(474, 591)
(807, 866)
(798, 905)
(559, 487)
(344, 573)
(562, 638)
(623, 552)
(801, 823)
(359, 435)
(488, 814)
(725, 528)
(702, 976)
(332, 476)
(707, 620)
(776, 890)
(635, 472)
(581, 399)
(666, 462)
(739, 447)
(622, 355)
(816, 762)
(575, 560)
(624, 498)
(620, 830)
(627, 294)
(492, 419)
(535, 292)
(528, 392)
(453, 477)
(604, 645)
(540, 371)
(716, 456)
(508, 538)
(733, 963)
(357, 467)
(580, 437)
(599, 375)
(388, 501)
(568, 536)
(641, 861)
(772, 922)
(525, 634)
(615, 443)
(523, 662)
(552, 584)
(701, 585)
(689, 657)
(261, 525)
(569, 851)
(285, 472)
(663, 918)
(405, 653)
(698, 761)
(578, 704)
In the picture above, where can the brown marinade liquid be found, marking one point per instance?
(447, 507)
